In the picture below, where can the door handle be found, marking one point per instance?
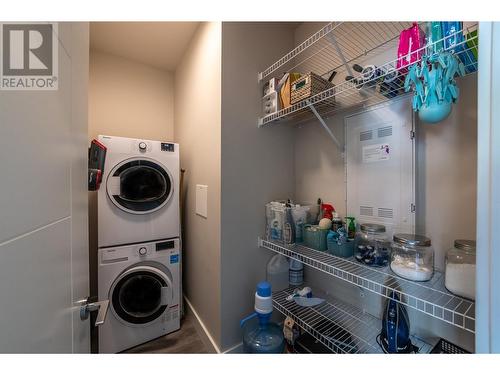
(100, 306)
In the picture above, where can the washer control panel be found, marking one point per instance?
(168, 250)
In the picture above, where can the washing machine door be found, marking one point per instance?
(141, 294)
(139, 185)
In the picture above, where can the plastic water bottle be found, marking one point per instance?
(261, 335)
(296, 272)
(278, 272)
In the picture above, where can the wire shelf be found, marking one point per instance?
(430, 297)
(355, 42)
(342, 328)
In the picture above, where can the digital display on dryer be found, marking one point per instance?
(167, 147)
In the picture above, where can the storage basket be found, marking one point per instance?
(307, 86)
(445, 347)
(314, 237)
(345, 250)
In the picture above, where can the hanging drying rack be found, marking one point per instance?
(338, 46)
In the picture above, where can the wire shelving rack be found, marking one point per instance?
(342, 328)
(336, 47)
(429, 297)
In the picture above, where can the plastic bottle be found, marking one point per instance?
(289, 226)
(261, 335)
(296, 274)
(351, 227)
(336, 222)
(278, 272)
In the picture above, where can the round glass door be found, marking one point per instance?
(139, 186)
(140, 296)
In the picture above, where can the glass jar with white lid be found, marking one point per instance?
(372, 246)
(412, 257)
(460, 273)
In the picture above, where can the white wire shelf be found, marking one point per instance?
(342, 328)
(337, 47)
(430, 297)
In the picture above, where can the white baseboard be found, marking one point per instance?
(202, 326)
(237, 349)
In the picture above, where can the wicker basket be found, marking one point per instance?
(307, 86)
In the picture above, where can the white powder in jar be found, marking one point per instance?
(409, 269)
(460, 279)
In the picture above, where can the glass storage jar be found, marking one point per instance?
(371, 245)
(412, 257)
(460, 273)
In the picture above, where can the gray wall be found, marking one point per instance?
(257, 165)
(446, 189)
(198, 131)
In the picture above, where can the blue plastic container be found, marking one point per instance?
(261, 338)
(345, 250)
(315, 237)
(260, 335)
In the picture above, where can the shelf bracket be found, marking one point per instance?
(323, 123)
(333, 40)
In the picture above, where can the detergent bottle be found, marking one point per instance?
(261, 335)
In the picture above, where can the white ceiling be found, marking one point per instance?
(159, 44)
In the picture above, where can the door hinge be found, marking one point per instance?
(412, 207)
(412, 134)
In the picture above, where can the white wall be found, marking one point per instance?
(257, 165)
(488, 236)
(129, 99)
(198, 131)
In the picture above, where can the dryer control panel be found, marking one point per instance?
(169, 147)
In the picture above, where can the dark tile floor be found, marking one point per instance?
(188, 339)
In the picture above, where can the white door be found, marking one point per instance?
(43, 206)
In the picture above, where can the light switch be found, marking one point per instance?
(201, 200)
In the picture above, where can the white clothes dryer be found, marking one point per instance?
(139, 198)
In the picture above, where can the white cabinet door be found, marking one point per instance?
(43, 207)
(380, 165)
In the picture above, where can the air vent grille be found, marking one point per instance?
(387, 213)
(366, 211)
(384, 132)
(366, 135)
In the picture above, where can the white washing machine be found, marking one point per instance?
(142, 284)
(139, 198)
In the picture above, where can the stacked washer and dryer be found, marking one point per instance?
(139, 242)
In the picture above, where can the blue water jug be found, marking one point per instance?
(260, 335)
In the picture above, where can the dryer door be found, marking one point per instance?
(141, 294)
(139, 185)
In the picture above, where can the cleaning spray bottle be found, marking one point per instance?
(261, 335)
